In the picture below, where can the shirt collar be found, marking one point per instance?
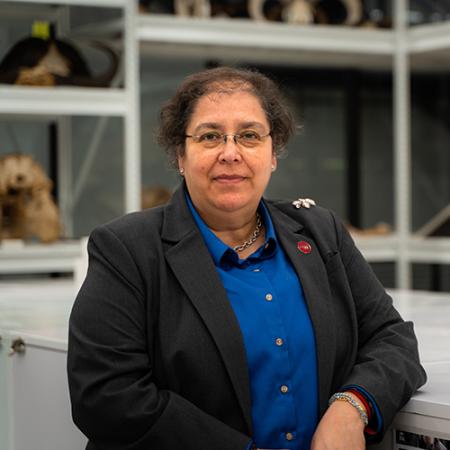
(223, 255)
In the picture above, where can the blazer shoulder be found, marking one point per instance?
(140, 225)
(320, 223)
(315, 216)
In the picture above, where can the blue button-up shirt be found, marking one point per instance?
(267, 298)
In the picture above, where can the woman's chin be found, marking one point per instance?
(231, 203)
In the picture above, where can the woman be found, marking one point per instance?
(225, 321)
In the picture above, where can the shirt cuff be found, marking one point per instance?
(375, 425)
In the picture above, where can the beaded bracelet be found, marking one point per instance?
(343, 396)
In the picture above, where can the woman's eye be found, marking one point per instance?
(209, 137)
(250, 135)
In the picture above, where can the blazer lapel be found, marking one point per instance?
(314, 280)
(194, 268)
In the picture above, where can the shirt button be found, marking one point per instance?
(269, 297)
(289, 436)
(284, 389)
(256, 270)
(279, 342)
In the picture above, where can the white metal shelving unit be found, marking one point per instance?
(62, 103)
(70, 101)
(401, 50)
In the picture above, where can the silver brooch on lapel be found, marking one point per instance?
(304, 203)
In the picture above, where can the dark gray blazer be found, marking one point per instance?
(156, 358)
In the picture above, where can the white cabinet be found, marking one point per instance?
(38, 408)
(34, 398)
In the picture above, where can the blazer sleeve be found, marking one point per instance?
(387, 362)
(115, 402)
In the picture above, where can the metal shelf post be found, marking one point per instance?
(132, 126)
(402, 144)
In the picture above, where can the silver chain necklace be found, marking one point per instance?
(251, 240)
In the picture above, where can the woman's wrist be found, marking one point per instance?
(354, 401)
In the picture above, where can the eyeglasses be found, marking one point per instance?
(212, 139)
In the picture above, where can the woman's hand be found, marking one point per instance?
(341, 428)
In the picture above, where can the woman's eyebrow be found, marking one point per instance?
(218, 126)
(251, 125)
(207, 126)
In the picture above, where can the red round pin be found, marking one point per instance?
(304, 247)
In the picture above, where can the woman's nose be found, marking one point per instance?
(229, 150)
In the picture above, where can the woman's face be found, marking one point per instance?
(228, 177)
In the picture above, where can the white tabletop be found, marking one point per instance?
(430, 313)
(39, 311)
(433, 399)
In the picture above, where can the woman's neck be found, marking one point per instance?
(235, 229)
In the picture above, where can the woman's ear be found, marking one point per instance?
(180, 161)
(274, 163)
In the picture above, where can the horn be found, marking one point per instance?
(354, 12)
(255, 10)
(102, 80)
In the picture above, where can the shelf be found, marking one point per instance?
(64, 256)
(315, 45)
(378, 248)
(429, 47)
(429, 38)
(40, 258)
(62, 101)
(90, 3)
(434, 250)
(166, 28)
(243, 38)
(419, 250)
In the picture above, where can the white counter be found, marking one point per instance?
(426, 414)
(433, 399)
(38, 313)
(430, 312)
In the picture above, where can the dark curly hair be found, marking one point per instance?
(175, 114)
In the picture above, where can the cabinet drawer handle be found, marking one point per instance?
(17, 346)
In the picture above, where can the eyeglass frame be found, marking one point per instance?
(225, 136)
